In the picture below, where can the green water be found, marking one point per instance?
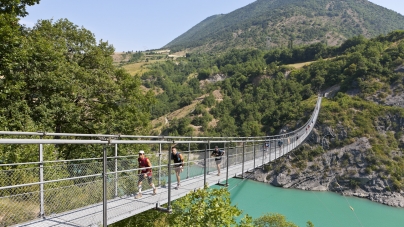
(324, 209)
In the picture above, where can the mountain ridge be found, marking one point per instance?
(288, 22)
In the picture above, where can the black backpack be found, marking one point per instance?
(176, 157)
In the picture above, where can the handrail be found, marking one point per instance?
(107, 172)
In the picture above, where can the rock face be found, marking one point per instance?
(347, 170)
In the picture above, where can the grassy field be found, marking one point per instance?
(139, 67)
(142, 66)
(136, 68)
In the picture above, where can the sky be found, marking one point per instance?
(138, 25)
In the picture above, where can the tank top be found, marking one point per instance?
(143, 163)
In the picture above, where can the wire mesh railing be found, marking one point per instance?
(35, 190)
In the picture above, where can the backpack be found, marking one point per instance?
(176, 157)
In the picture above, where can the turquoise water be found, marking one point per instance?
(326, 209)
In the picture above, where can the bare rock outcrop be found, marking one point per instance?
(346, 170)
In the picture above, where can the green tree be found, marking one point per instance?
(203, 207)
(57, 78)
(16, 7)
(273, 220)
(203, 74)
(209, 100)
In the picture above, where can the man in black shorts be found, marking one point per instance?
(178, 164)
(217, 153)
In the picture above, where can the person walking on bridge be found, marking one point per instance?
(145, 171)
(178, 164)
(217, 153)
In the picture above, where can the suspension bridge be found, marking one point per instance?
(101, 191)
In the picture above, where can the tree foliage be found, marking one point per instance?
(273, 220)
(55, 77)
(16, 7)
(203, 207)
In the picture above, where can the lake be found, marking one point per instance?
(326, 209)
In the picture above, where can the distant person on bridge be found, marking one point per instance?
(144, 172)
(267, 147)
(217, 153)
(280, 143)
(178, 164)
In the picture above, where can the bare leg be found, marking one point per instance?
(177, 173)
(139, 186)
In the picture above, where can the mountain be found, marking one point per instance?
(279, 23)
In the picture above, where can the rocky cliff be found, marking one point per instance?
(348, 170)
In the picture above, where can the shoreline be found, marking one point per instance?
(393, 199)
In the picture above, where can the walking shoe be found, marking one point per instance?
(138, 196)
(218, 174)
(154, 191)
(178, 186)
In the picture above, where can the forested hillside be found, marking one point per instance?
(262, 95)
(288, 23)
(261, 92)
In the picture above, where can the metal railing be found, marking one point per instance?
(33, 190)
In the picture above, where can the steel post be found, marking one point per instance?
(205, 163)
(227, 164)
(159, 173)
(189, 151)
(41, 179)
(242, 165)
(254, 156)
(104, 189)
(116, 170)
(208, 158)
(169, 178)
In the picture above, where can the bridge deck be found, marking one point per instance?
(124, 207)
